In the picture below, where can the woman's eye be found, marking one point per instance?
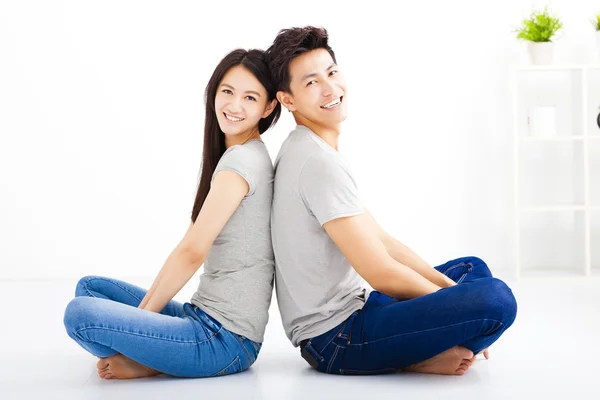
(250, 98)
(227, 91)
(333, 72)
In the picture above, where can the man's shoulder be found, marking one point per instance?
(296, 149)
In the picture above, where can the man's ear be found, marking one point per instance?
(270, 108)
(286, 100)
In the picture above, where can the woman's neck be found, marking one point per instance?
(232, 140)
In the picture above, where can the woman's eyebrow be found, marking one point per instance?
(247, 91)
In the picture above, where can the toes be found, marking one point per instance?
(464, 352)
(102, 363)
(109, 376)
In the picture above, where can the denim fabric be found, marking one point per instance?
(389, 334)
(181, 340)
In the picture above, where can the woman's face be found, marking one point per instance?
(241, 102)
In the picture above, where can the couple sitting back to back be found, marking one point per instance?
(300, 224)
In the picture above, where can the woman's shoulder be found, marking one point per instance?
(250, 159)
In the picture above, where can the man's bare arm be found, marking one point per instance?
(358, 241)
(403, 254)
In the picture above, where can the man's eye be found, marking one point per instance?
(310, 83)
(333, 72)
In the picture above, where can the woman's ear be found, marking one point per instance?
(270, 108)
(286, 100)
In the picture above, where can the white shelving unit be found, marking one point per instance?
(557, 178)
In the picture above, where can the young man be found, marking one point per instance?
(418, 318)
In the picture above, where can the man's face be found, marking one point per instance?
(318, 89)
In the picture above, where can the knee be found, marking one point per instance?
(480, 266)
(76, 315)
(83, 286)
(497, 300)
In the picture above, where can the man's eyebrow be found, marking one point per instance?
(313, 74)
(247, 91)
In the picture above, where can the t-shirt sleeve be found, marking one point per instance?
(328, 189)
(241, 161)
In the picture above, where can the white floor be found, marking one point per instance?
(552, 349)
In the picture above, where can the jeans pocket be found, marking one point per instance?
(233, 368)
(251, 350)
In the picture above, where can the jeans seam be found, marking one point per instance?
(462, 278)
(241, 343)
(148, 336)
(333, 357)
(426, 330)
(332, 338)
(237, 358)
(111, 282)
(460, 264)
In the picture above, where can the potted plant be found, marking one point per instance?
(596, 23)
(538, 30)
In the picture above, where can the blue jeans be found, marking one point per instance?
(181, 340)
(388, 334)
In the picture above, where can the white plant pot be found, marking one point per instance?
(541, 53)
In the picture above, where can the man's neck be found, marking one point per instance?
(329, 134)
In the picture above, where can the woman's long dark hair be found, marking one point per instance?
(214, 138)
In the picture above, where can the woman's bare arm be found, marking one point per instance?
(226, 193)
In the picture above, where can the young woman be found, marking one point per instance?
(138, 333)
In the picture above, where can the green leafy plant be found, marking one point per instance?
(596, 22)
(541, 26)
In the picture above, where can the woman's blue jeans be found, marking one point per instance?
(181, 340)
(388, 334)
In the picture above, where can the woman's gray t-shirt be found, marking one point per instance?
(237, 282)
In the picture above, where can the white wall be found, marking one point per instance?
(101, 118)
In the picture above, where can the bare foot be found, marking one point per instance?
(121, 367)
(486, 354)
(454, 361)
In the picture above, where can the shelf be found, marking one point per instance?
(557, 170)
(552, 242)
(594, 227)
(550, 174)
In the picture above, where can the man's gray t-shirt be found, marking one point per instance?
(317, 288)
(237, 283)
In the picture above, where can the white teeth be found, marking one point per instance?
(233, 119)
(333, 103)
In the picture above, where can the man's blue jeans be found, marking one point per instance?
(388, 334)
(181, 341)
